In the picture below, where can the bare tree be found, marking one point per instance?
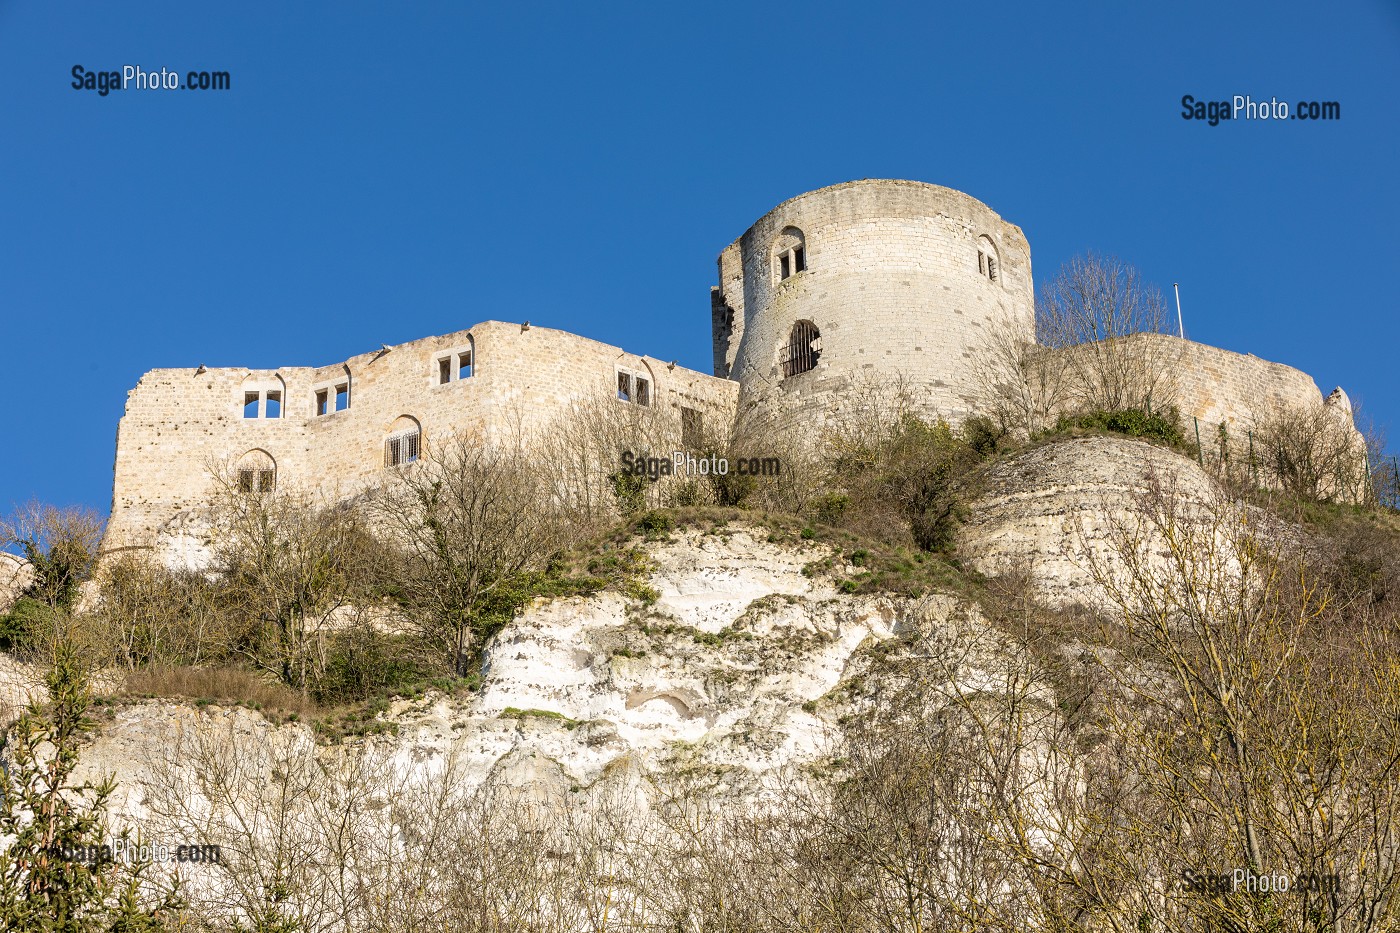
(1021, 384)
(1312, 451)
(60, 546)
(1095, 313)
(467, 521)
(289, 567)
(1258, 739)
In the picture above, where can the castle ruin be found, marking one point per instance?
(861, 281)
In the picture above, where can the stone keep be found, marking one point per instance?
(893, 277)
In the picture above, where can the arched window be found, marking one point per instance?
(789, 254)
(455, 364)
(256, 472)
(635, 384)
(404, 443)
(263, 395)
(333, 396)
(803, 350)
(988, 265)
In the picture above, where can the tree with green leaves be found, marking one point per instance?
(57, 874)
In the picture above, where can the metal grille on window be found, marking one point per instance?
(250, 480)
(401, 448)
(803, 350)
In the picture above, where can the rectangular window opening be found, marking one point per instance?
(265, 478)
(250, 404)
(274, 405)
(322, 400)
(783, 262)
(444, 370)
(991, 268)
(624, 387)
(692, 428)
(246, 480)
(342, 397)
(799, 259)
(464, 365)
(643, 391)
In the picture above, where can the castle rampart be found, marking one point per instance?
(335, 429)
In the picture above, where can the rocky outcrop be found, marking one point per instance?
(1053, 512)
(15, 575)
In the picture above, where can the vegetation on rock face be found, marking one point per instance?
(58, 871)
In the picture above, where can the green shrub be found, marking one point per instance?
(830, 507)
(629, 491)
(25, 624)
(1163, 426)
(655, 523)
(636, 589)
(361, 663)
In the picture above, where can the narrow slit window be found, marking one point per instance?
(322, 402)
(987, 265)
(444, 370)
(799, 259)
(785, 266)
(250, 404)
(464, 365)
(342, 397)
(273, 409)
(643, 391)
(624, 386)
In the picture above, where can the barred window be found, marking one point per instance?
(803, 350)
(401, 448)
(987, 264)
(251, 480)
(256, 472)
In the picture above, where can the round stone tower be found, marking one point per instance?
(867, 284)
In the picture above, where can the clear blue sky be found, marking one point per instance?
(382, 172)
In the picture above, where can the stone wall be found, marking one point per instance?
(1238, 389)
(184, 426)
